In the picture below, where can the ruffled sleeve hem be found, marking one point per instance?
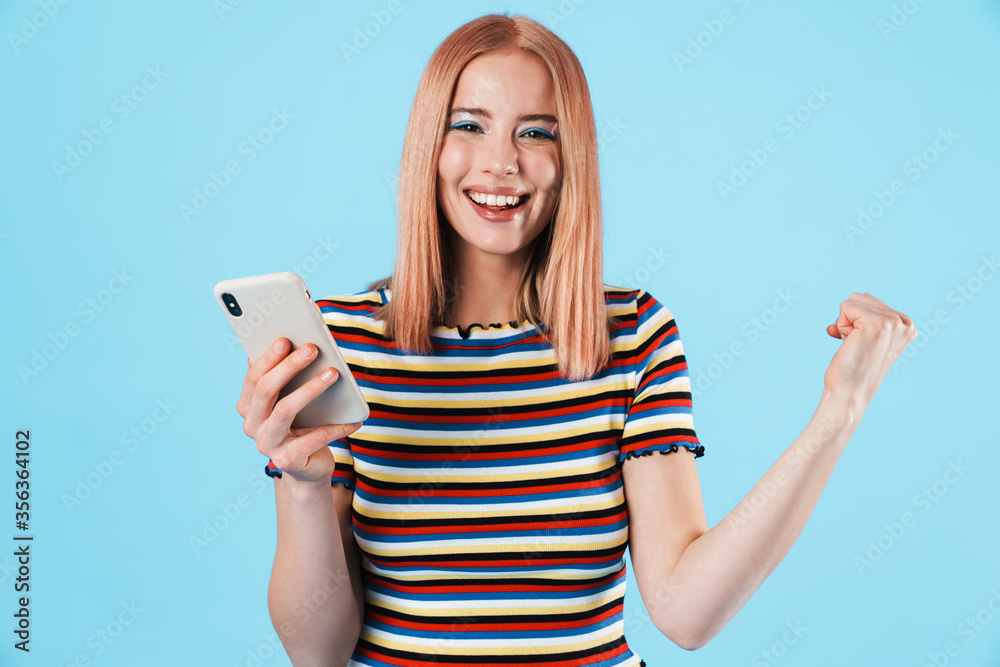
(335, 479)
(697, 450)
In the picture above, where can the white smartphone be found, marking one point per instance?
(262, 309)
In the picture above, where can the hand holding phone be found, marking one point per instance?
(301, 453)
(290, 403)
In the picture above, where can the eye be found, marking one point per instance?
(465, 126)
(537, 133)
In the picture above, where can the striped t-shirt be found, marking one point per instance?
(489, 508)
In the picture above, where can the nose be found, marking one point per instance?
(500, 156)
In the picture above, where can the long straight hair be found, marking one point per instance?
(561, 283)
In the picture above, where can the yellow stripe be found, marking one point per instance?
(461, 548)
(492, 610)
(478, 511)
(429, 475)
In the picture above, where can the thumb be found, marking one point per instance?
(833, 330)
(843, 325)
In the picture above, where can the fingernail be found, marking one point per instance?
(327, 375)
(306, 352)
(279, 345)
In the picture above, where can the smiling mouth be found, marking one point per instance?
(496, 202)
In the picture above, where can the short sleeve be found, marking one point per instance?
(659, 416)
(343, 471)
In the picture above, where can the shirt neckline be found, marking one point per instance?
(385, 296)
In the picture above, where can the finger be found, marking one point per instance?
(288, 407)
(864, 304)
(269, 386)
(877, 305)
(843, 324)
(266, 362)
(833, 330)
(865, 297)
(303, 447)
(854, 308)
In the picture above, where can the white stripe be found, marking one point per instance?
(531, 431)
(468, 544)
(572, 574)
(503, 603)
(434, 469)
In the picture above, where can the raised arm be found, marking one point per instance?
(693, 579)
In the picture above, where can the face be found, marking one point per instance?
(499, 173)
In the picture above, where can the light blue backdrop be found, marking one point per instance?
(115, 115)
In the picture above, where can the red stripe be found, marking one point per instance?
(512, 527)
(482, 562)
(489, 493)
(497, 585)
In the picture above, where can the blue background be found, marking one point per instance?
(318, 199)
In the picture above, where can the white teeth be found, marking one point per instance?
(493, 200)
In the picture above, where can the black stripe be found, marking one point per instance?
(597, 651)
(492, 556)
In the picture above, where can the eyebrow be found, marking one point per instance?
(476, 111)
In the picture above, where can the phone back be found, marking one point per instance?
(262, 309)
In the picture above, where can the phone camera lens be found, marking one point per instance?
(231, 304)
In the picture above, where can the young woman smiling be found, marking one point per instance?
(482, 512)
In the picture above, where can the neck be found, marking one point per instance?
(484, 291)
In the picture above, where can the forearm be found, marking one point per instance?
(719, 571)
(313, 604)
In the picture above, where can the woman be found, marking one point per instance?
(482, 512)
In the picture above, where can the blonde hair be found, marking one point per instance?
(561, 283)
